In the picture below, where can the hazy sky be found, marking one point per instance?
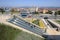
(40, 3)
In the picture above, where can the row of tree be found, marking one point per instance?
(56, 12)
(2, 10)
(50, 12)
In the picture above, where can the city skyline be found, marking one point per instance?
(29, 3)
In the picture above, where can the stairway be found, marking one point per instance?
(26, 25)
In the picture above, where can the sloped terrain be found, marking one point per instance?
(9, 33)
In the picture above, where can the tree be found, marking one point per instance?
(49, 12)
(36, 22)
(36, 12)
(2, 10)
(58, 12)
(12, 10)
(41, 12)
(55, 15)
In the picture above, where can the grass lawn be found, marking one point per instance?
(36, 22)
(39, 23)
(42, 25)
(9, 33)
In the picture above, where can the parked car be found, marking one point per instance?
(24, 15)
(41, 16)
(46, 17)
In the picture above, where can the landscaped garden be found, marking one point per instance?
(39, 23)
(36, 22)
(9, 33)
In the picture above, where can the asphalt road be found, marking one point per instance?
(46, 15)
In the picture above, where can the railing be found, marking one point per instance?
(54, 25)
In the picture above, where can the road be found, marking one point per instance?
(44, 15)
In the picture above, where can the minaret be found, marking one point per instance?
(36, 9)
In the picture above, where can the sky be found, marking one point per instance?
(30, 3)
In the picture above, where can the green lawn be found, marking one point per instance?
(36, 22)
(9, 33)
